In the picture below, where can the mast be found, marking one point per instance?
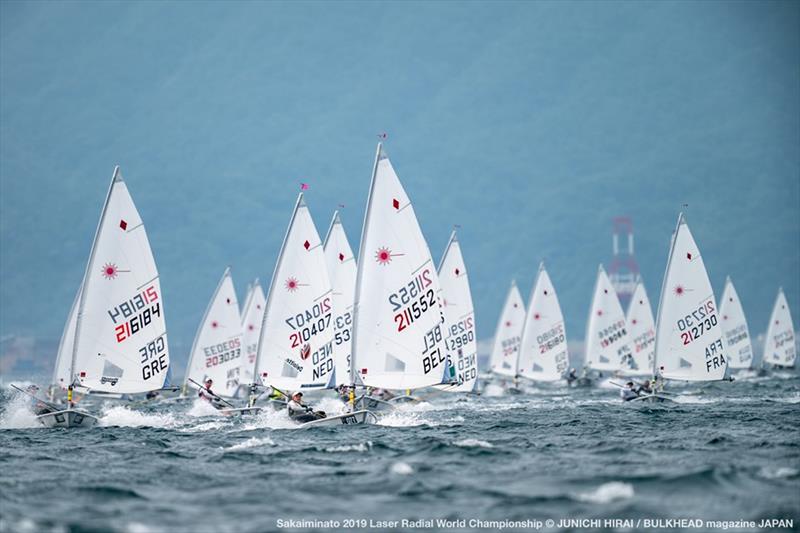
(114, 179)
(356, 304)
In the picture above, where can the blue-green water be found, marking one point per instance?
(727, 451)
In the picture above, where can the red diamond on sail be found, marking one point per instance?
(228, 300)
(724, 317)
(306, 245)
(605, 291)
(215, 324)
(679, 290)
(689, 256)
(633, 321)
(341, 257)
(515, 306)
(536, 316)
(641, 302)
(458, 272)
(395, 203)
(599, 312)
(123, 225)
(545, 292)
(251, 327)
(83, 374)
(508, 324)
(363, 370)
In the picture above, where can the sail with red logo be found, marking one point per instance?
(120, 333)
(252, 313)
(734, 326)
(689, 341)
(780, 348)
(217, 349)
(508, 335)
(543, 349)
(342, 271)
(641, 331)
(399, 331)
(295, 349)
(606, 340)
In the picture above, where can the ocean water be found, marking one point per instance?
(726, 451)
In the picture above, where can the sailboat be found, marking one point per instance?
(252, 313)
(607, 342)
(120, 343)
(641, 330)
(543, 353)
(217, 348)
(779, 348)
(508, 336)
(689, 339)
(734, 328)
(399, 328)
(462, 346)
(296, 346)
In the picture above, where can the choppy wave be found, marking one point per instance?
(607, 493)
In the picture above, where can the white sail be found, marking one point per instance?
(61, 376)
(543, 353)
(689, 344)
(398, 336)
(780, 348)
(217, 348)
(120, 336)
(462, 346)
(607, 345)
(508, 335)
(295, 349)
(342, 270)
(734, 328)
(641, 331)
(252, 314)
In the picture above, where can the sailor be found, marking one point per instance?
(572, 376)
(300, 412)
(627, 394)
(38, 407)
(658, 380)
(151, 395)
(208, 395)
(644, 388)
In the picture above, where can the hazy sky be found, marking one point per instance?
(530, 124)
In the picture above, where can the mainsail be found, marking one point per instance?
(689, 343)
(295, 349)
(734, 328)
(342, 270)
(398, 336)
(217, 348)
(508, 334)
(252, 314)
(120, 333)
(607, 346)
(462, 346)
(61, 377)
(641, 331)
(779, 347)
(543, 353)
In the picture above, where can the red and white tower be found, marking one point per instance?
(624, 271)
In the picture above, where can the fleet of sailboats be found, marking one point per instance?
(389, 321)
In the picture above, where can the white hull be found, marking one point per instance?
(652, 398)
(241, 411)
(373, 404)
(405, 399)
(356, 417)
(69, 418)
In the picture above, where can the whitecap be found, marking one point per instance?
(360, 447)
(607, 493)
(401, 469)
(252, 442)
(202, 408)
(18, 414)
(398, 420)
(780, 472)
(473, 443)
